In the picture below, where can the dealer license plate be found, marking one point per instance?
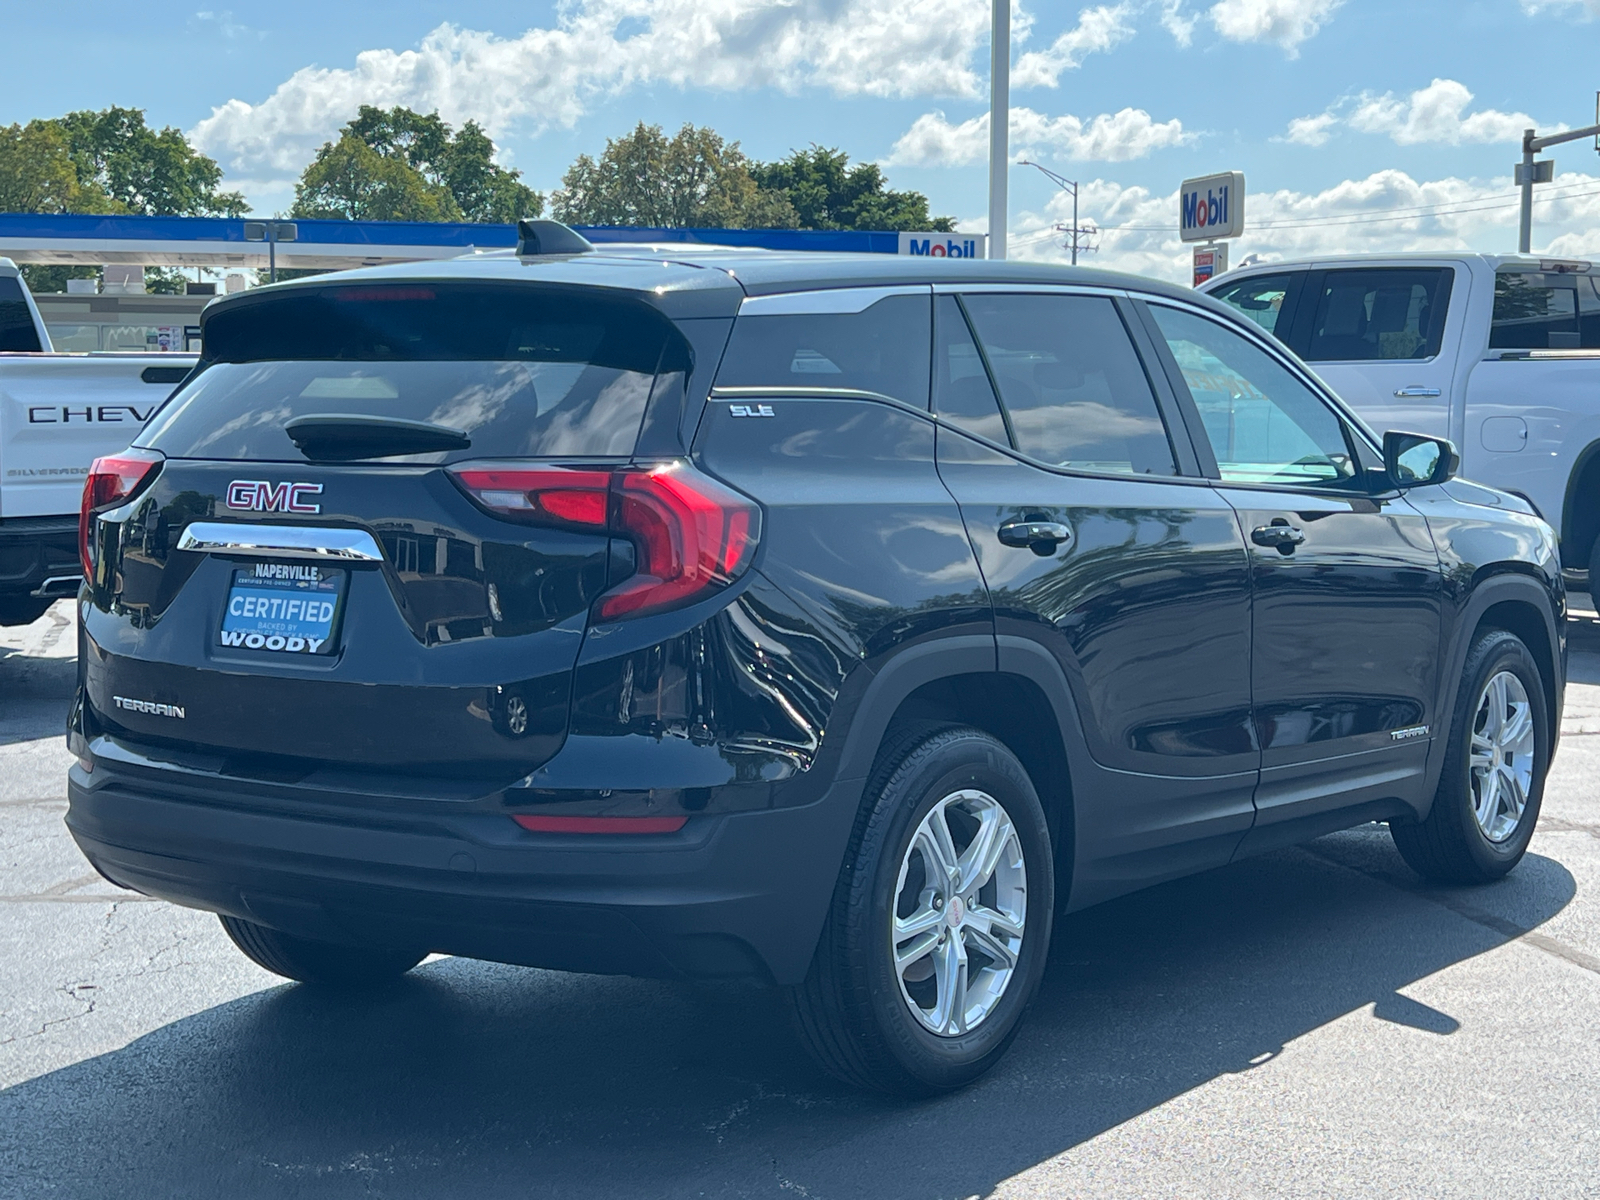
(286, 608)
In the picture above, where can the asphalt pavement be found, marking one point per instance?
(1316, 1022)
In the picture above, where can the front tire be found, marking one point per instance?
(1492, 783)
(325, 963)
(940, 922)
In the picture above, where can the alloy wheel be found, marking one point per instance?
(960, 910)
(1501, 762)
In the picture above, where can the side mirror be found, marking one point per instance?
(1416, 459)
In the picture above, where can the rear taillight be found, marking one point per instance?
(691, 535)
(112, 480)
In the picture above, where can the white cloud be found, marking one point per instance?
(548, 76)
(1098, 30)
(1110, 137)
(1284, 23)
(1437, 113)
(1311, 131)
(1174, 21)
(1140, 229)
(1589, 8)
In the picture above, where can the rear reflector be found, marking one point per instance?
(540, 824)
(692, 535)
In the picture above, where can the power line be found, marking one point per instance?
(1485, 204)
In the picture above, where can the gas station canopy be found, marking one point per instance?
(221, 242)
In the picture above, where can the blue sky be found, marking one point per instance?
(1332, 110)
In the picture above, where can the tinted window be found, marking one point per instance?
(1535, 311)
(883, 349)
(17, 332)
(962, 393)
(1391, 313)
(523, 372)
(1260, 298)
(1264, 425)
(1073, 387)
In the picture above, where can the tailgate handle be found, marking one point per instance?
(280, 541)
(1415, 390)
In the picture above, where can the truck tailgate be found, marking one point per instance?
(58, 412)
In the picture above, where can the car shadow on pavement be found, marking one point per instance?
(35, 688)
(482, 1080)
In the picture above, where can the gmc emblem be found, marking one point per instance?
(257, 495)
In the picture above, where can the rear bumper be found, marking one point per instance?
(737, 895)
(39, 557)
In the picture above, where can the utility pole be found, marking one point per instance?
(1530, 172)
(999, 124)
(1078, 231)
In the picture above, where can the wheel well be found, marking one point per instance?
(1015, 712)
(1581, 515)
(1524, 620)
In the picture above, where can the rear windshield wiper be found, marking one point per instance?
(342, 437)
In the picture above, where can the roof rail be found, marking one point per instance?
(536, 236)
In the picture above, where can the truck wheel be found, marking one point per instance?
(324, 963)
(22, 610)
(1493, 779)
(940, 922)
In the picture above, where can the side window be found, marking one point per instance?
(16, 322)
(1261, 298)
(1264, 425)
(962, 393)
(882, 348)
(1386, 313)
(1535, 311)
(1072, 385)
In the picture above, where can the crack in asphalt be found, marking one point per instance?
(1557, 825)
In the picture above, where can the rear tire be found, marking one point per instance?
(1594, 572)
(326, 963)
(1492, 784)
(935, 943)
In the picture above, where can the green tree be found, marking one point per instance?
(694, 179)
(349, 180)
(37, 175)
(154, 173)
(461, 162)
(828, 193)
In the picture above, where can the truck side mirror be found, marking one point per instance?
(1417, 459)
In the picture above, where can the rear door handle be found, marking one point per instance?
(1280, 537)
(1042, 537)
(1415, 390)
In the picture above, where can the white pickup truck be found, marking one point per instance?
(58, 412)
(1499, 353)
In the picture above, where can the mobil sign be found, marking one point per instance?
(944, 245)
(1211, 207)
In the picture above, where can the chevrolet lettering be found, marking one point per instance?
(1029, 586)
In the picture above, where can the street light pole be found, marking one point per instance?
(999, 124)
(1530, 172)
(1066, 185)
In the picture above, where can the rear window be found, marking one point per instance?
(883, 348)
(17, 332)
(523, 372)
(1536, 310)
(1385, 313)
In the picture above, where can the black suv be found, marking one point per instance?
(830, 620)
